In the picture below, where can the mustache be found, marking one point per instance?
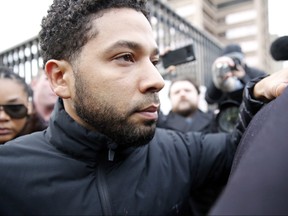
(147, 101)
(183, 99)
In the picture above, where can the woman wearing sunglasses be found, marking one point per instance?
(16, 117)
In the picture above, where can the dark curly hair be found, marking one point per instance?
(66, 28)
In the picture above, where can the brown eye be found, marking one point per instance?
(126, 57)
(156, 62)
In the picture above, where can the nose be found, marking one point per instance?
(151, 80)
(182, 93)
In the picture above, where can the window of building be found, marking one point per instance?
(249, 46)
(241, 16)
(186, 11)
(241, 32)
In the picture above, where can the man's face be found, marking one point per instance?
(44, 97)
(116, 81)
(184, 98)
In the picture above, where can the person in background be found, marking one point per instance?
(185, 115)
(16, 111)
(230, 74)
(43, 97)
(102, 153)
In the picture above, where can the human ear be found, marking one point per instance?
(59, 74)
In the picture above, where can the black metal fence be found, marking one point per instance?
(170, 30)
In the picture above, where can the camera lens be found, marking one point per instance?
(222, 69)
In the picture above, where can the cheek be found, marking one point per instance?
(193, 97)
(174, 100)
(18, 125)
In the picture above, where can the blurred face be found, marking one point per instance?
(184, 98)
(116, 81)
(223, 77)
(44, 97)
(11, 93)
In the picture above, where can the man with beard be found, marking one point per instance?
(101, 153)
(185, 115)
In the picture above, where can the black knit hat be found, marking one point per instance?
(231, 48)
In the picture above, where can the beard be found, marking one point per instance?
(186, 111)
(104, 117)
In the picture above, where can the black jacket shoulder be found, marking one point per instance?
(199, 122)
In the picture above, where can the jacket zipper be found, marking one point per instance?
(102, 186)
(111, 154)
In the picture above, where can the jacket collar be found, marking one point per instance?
(72, 138)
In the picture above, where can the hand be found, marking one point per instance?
(226, 60)
(172, 68)
(272, 86)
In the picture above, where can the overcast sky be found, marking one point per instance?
(20, 19)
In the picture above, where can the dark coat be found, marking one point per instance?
(67, 169)
(258, 183)
(201, 122)
(201, 203)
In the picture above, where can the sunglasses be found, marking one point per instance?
(15, 111)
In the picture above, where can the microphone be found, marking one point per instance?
(279, 49)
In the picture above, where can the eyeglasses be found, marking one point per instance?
(15, 111)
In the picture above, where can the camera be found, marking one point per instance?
(227, 117)
(223, 68)
(219, 73)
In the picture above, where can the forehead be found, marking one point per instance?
(11, 90)
(179, 85)
(123, 24)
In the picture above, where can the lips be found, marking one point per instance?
(4, 131)
(151, 109)
(150, 113)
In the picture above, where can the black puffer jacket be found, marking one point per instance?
(67, 169)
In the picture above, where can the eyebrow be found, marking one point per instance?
(14, 100)
(128, 44)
